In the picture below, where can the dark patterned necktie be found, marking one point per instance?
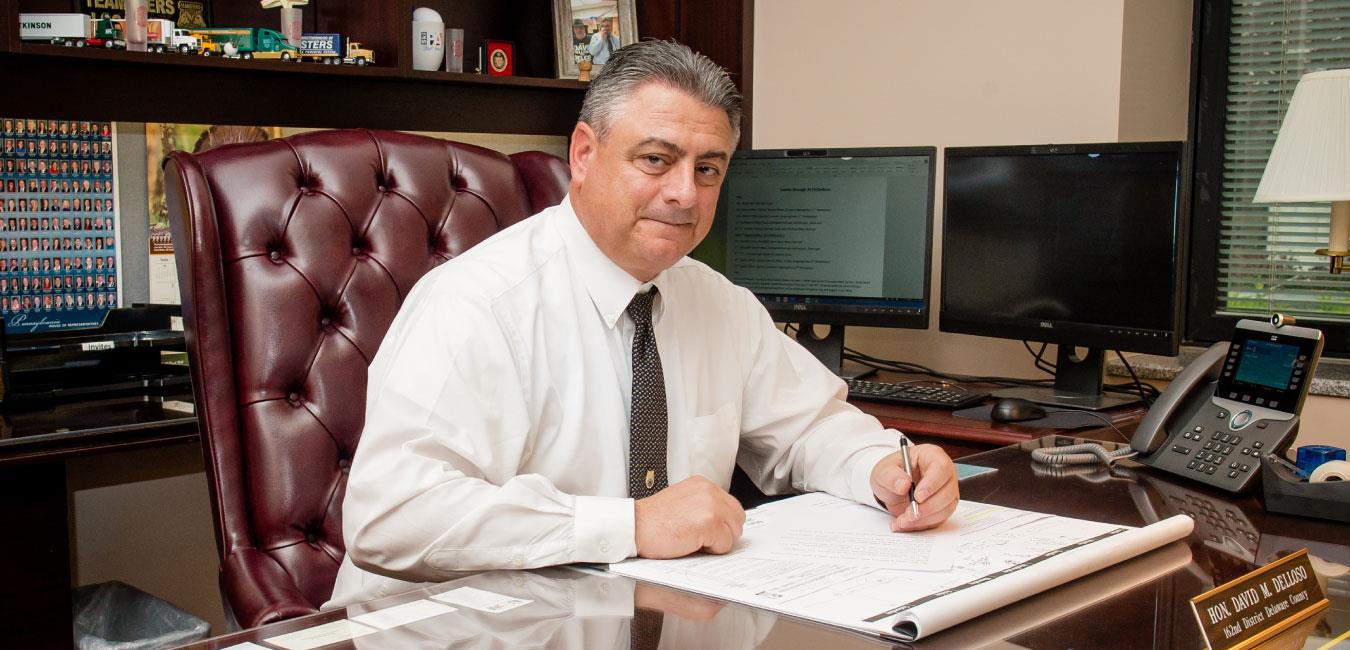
(647, 417)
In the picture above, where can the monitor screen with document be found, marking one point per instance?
(828, 236)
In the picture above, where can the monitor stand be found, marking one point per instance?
(1078, 383)
(829, 349)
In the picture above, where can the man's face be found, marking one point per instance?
(646, 193)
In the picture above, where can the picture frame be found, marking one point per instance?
(576, 27)
(499, 59)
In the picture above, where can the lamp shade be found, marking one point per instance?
(1311, 158)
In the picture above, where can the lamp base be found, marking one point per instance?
(1337, 259)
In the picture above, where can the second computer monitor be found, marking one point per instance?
(829, 236)
(1078, 245)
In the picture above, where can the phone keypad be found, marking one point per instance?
(1213, 454)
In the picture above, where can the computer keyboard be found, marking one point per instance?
(912, 394)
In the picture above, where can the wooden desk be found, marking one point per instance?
(1144, 606)
(35, 608)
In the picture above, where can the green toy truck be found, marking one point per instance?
(248, 43)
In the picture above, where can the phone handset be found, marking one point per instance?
(1199, 375)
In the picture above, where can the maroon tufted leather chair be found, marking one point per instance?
(293, 257)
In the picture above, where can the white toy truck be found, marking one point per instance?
(162, 36)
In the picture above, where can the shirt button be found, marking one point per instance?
(604, 546)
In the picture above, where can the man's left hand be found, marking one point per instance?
(936, 491)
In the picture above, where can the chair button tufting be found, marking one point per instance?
(311, 537)
(356, 250)
(293, 398)
(325, 322)
(345, 465)
(382, 188)
(275, 256)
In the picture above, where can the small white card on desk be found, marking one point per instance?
(321, 635)
(483, 601)
(247, 645)
(403, 614)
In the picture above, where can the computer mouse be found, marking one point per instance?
(1015, 409)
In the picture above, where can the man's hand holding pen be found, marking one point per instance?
(931, 480)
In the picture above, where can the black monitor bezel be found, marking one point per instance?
(1092, 335)
(837, 315)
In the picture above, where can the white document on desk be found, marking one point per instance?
(821, 529)
(994, 556)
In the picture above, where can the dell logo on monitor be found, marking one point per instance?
(1047, 325)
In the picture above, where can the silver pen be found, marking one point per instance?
(904, 454)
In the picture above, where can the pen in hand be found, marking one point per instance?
(904, 455)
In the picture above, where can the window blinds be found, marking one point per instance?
(1266, 260)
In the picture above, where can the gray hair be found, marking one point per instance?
(666, 62)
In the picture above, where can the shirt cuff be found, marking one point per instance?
(604, 529)
(861, 482)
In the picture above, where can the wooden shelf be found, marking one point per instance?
(55, 82)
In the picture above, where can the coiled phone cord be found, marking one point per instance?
(1081, 454)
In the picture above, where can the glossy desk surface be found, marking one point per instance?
(1139, 604)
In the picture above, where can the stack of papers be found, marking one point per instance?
(830, 560)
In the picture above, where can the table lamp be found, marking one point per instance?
(1311, 158)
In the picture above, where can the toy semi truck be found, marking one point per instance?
(72, 30)
(249, 42)
(327, 48)
(162, 36)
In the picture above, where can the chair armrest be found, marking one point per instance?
(259, 590)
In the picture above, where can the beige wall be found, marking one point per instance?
(144, 517)
(1154, 91)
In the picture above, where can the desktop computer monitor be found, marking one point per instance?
(1078, 245)
(828, 236)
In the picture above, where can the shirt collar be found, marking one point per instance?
(610, 287)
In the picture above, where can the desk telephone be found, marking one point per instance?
(1235, 403)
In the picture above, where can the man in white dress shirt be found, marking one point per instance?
(497, 421)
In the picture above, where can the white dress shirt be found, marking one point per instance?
(496, 430)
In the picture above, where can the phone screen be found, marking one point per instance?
(1269, 364)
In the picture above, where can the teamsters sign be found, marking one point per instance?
(1261, 604)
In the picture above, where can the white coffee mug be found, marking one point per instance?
(428, 39)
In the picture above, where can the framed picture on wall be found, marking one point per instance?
(591, 30)
(59, 241)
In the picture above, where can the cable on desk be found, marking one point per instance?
(917, 369)
(1109, 422)
(1145, 391)
(1039, 355)
(1084, 454)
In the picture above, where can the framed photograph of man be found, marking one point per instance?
(590, 30)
